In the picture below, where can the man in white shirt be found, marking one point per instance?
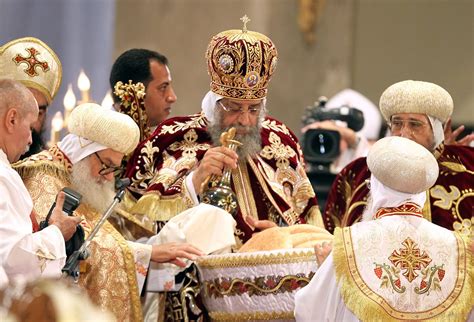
(24, 253)
(395, 265)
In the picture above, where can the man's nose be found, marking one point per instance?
(109, 176)
(406, 131)
(30, 139)
(244, 118)
(171, 98)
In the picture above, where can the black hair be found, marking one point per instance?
(134, 65)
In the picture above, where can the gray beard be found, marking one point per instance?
(97, 193)
(251, 140)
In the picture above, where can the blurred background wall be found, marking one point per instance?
(363, 44)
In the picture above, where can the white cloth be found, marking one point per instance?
(208, 228)
(77, 148)
(314, 304)
(438, 130)
(23, 253)
(208, 105)
(383, 196)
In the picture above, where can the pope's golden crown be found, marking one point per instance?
(241, 63)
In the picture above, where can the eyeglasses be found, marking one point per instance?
(396, 125)
(106, 169)
(253, 110)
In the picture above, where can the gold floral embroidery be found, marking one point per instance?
(278, 151)
(272, 125)
(189, 145)
(256, 286)
(147, 162)
(410, 259)
(195, 122)
(452, 166)
(446, 199)
(465, 227)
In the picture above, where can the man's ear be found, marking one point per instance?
(11, 119)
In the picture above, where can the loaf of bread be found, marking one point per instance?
(297, 236)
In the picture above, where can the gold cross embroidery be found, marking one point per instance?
(410, 259)
(32, 62)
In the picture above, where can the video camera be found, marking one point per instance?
(320, 146)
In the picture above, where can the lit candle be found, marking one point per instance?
(84, 86)
(56, 126)
(69, 102)
(108, 101)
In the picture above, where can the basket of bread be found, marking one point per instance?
(260, 280)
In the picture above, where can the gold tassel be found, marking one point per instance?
(158, 208)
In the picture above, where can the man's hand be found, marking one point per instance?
(213, 162)
(260, 224)
(66, 224)
(172, 252)
(322, 251)
(450, 136)
(346, 133)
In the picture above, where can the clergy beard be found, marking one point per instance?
(251, 140)
(368, 213)
(97, 193)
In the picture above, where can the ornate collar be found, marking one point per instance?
(59, 155)
(407, 209)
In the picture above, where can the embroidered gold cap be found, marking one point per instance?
(241, 63)
(32, 62)
(112, 129)
(403, 165)
(416, 97)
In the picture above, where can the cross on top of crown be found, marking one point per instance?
(245, 19)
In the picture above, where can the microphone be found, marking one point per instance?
(71, 267)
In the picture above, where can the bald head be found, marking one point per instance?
(15, 95)
(18, 111)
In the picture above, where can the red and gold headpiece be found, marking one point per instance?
(241, 63)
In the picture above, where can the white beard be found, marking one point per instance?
(97, 193)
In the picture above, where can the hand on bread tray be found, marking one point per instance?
(322, 251)
(260, 225)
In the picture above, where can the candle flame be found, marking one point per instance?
(57, 122)
(83, 82)
(108, 101)
(69, 99)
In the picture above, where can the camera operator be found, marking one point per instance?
(352, 144)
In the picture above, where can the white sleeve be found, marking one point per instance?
(190, 188)
(320, 300)
(142, 256)
(23, 252)
(37, 254)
